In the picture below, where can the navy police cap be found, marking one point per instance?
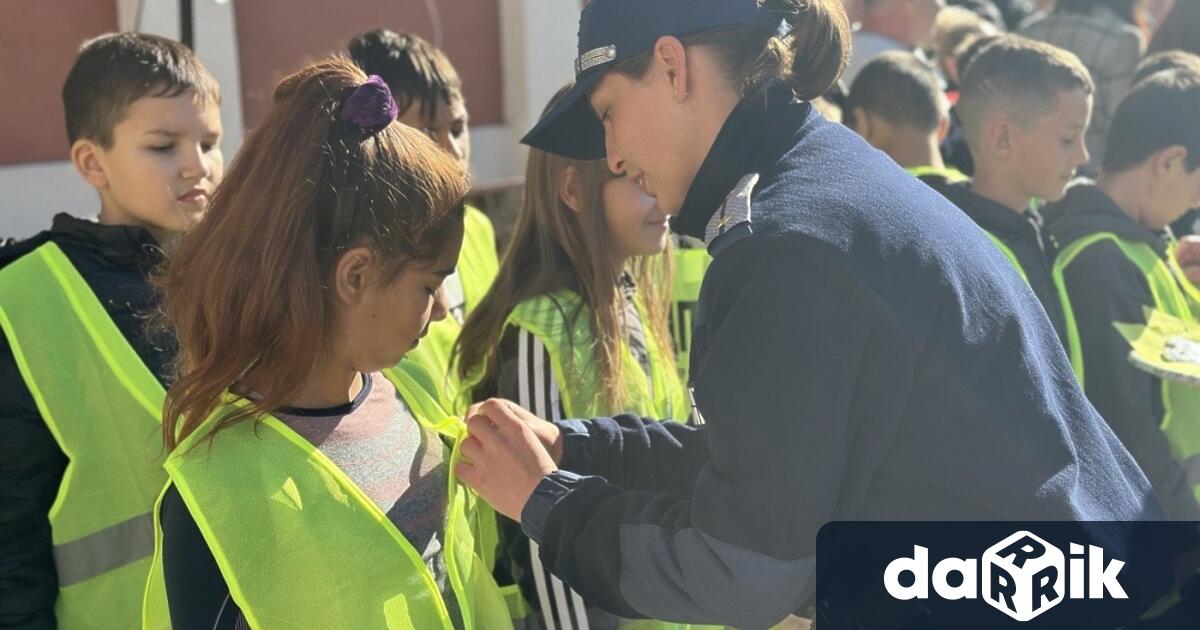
(611, 31)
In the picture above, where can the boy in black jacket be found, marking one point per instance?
(1025, 106)
(143, 121)
(1115, 261)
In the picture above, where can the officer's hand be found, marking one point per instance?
(547, 433)
(503, 457)
(1188, 255)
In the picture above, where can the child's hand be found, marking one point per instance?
(504, 458)
(1188, 256)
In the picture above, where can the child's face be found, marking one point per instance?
(636, 226)
(449, 128)
(163, 164)
(390, 318)
(1046, 153)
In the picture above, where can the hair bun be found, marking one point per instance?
(370, 106)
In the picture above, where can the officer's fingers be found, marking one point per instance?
(501, 415)
(473, 410)
(472, 450)
(468, 473)
(525, 416)
(481, 428)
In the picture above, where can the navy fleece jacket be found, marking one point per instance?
(861, 351)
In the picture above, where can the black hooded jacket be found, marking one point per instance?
(115, 261)
(1104, 286)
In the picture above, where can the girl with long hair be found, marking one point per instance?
(310, 483)
(575, 325)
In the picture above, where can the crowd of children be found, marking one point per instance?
(235, 398)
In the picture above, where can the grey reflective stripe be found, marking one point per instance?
(1192, 467)
(100, 552)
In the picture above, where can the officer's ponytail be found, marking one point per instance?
(810, 56)
(819, 43)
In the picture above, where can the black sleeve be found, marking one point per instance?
(31, 470)
(636, 453)
(197, 595)
(777, 385)
(1105, 287)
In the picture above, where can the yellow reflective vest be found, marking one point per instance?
(690, 265)
(659, 394)
(1171, 293)
(102, 405)
(266, 500)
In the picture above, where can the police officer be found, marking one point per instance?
(860, 350)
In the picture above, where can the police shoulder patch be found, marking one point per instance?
(732, 218)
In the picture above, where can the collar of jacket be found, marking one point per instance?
(1086, 209)
(126, 245)
(757, 133)
(993, 216)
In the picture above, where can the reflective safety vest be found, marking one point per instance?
(1072, 349)
(478, 265)
(102, 404)
(1009, 254)
(1173, 294)
(301, 546)
(949, 173)
(570, 344)
(689, 267)
(659, 394)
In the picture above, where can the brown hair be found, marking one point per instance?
(900, 88)
(810, 58)
(114, 70)
(1019, 76)
(1161, 111)
(555, 248)
(417, 71)
(247, 293)
(955, 25)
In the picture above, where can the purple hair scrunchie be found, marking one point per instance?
(370, 106)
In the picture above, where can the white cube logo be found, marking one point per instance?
(1023, 576)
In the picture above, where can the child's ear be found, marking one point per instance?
(860, 122)
(943, 128)
(998, 136)
(356, 270)
(570, 189)
(86, 156)
(1170, 161)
